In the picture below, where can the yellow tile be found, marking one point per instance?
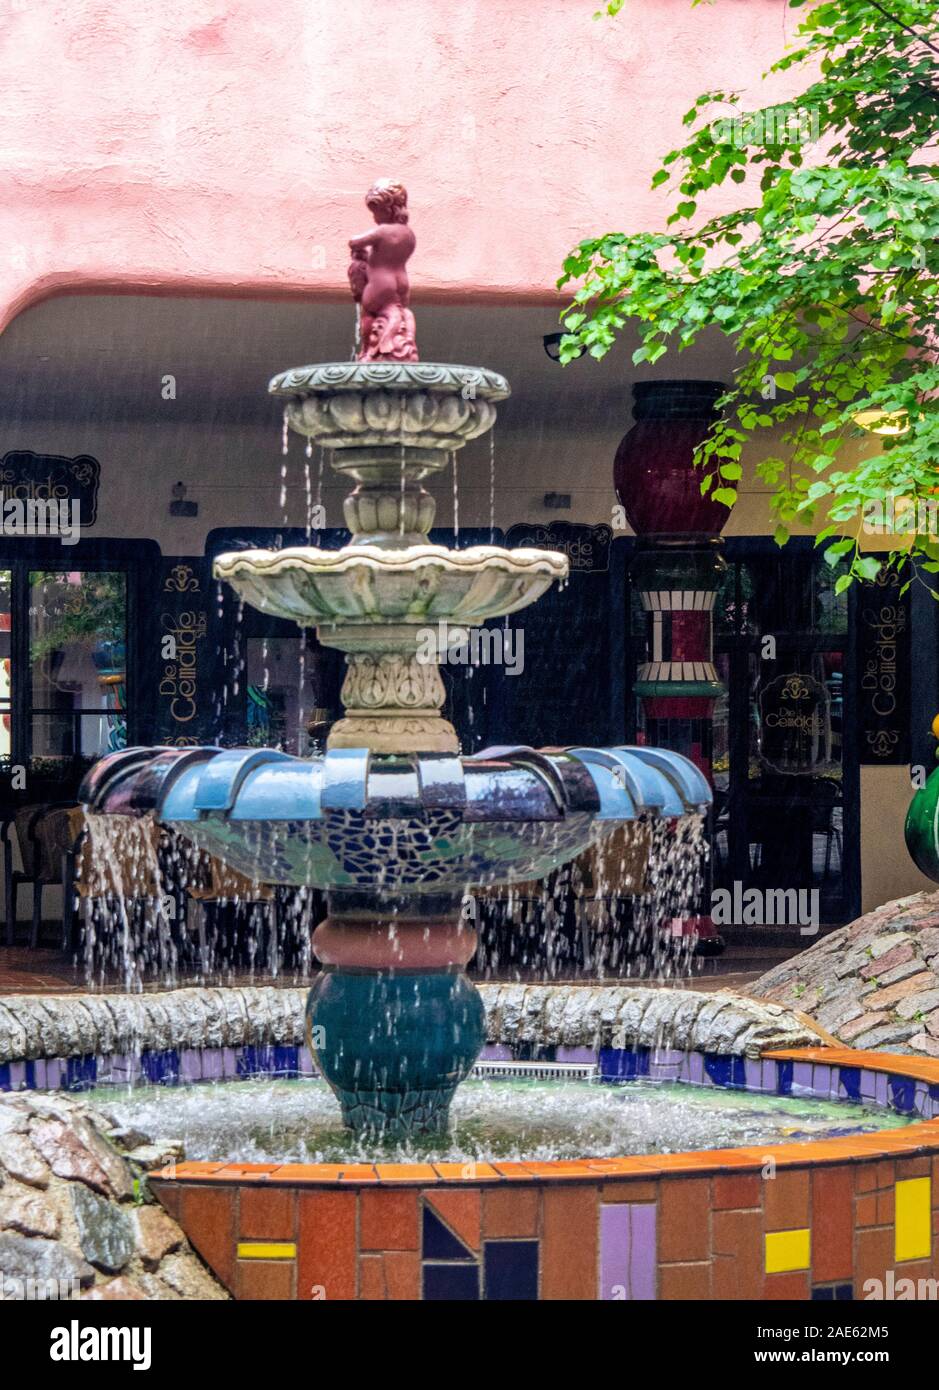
(786, 1250)
(266, 1250)
(912, 1219)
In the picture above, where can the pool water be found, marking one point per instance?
(297, 1121)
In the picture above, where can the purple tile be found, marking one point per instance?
(496, 1052)
(696, 1068)
(17, 1076)
(306, 1066)
(880, 1088)
(584, 1056)
(821, 1081)
(922, 1104)
(212, 1068)
(56, 1073)
(802, 1079)
(39, 1074)
(627, 1251)
(753, 1072)
(768, 1082)
(190, 1065)
(229, 1062)
(868, 1084)
(124, 1071)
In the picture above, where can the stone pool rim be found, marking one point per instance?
(919, 1137)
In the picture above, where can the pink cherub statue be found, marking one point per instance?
(379, 279)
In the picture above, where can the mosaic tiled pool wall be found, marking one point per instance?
(818, 1220)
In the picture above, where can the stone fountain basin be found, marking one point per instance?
(414, 823)
(435, 406)
(367, 584)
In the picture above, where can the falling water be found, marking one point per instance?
(492, 487)
(456, 497)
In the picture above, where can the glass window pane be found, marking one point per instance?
(77, 633)
(286, 693)
(77, 658)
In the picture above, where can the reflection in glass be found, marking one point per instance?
(77, 659)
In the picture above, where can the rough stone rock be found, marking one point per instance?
(26, 1257)
(157, 1235)
(20, 1160)
(856, 981)
(122, 1288)
(189, 1279)
(922, 1042)
(151, 1156)
(30, 1215)
(105, 1232)
(67, 1156)
(918, 1004)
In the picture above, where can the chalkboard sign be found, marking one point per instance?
(883, 648)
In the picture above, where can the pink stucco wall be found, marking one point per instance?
(166, 145)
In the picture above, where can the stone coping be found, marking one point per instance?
(49, 1026)
(920, 1138)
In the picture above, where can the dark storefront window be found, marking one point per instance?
(77, 664)
(785, 766)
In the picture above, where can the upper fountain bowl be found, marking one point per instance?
(437, 406)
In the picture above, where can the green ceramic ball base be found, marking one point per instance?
(394, 1046)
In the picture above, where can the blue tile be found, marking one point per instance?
(622, 1064)
(725, 1071)
(451, 1283)
(844, 1293)
(850, 1078)
(823, 1295)
(160, 1068)
(903, 1093)
(784, 1078)
(440, 1243)
(30, 1076)
(81, 1073)
(4, 1076)
(287, 1060)
(511, 1270)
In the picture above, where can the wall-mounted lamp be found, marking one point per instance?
(890, 422)
(179, 506)
(552, 346)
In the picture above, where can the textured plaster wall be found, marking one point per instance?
(172, 144)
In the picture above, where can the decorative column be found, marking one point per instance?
(677, 570)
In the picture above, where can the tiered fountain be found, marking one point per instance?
(391, 820)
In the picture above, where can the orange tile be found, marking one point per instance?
(866, 1210)
(875, 1254)
(511, 1211)
(886, 1208)
(569, 1243)
(393, 1276)
(786, 1201)
(737, 1242)
(629, 1192)
(914, 1167)
(207, 1215)
(190, 1170)
(266, 1213)
(326, 1245)
(325, 1173)
(785, 1286)
(371, 1278)
(460, 1210)
(736, 1192)
(388, 1219)
(405, 1172)
(514, 1171)
(466, 1172)
(684, 1204)
(832, 1224)
(688, 1282)
(264, 1280)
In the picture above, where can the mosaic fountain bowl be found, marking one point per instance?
(416, 823)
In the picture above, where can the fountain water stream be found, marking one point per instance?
(391, 820)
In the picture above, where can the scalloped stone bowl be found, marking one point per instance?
(366, 584)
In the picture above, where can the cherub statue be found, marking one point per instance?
(379, 279)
